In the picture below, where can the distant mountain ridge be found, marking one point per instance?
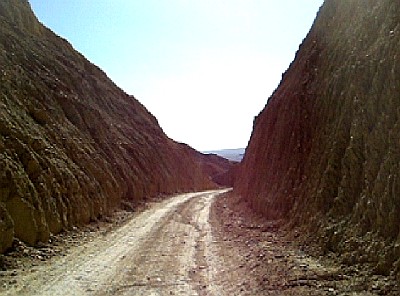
(230, 154)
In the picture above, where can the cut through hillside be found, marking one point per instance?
(324, 153)
(74, 146)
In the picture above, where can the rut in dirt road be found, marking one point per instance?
(175, 258)
(166, 250)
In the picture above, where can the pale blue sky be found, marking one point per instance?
(204, 68)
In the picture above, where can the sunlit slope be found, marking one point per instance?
(325, 151)
(72, 144)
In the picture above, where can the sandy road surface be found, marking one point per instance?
(193, 244)
(158, 252)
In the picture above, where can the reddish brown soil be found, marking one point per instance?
(263, 260)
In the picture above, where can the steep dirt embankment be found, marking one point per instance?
(324, 153)
(72, 144)
(221, 170)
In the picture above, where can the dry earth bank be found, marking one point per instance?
(73, 145)
(324, 153)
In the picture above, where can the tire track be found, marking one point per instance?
(152, 254)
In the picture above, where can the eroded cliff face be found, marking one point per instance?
(325, 151)
(72, 144)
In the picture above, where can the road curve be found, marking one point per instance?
(166, 250)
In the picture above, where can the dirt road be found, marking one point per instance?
(191, 244)
(166, 250)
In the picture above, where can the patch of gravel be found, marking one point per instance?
(22, 257)
(266, 260)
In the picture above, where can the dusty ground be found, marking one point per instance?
(191, 244)
(264, 261)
